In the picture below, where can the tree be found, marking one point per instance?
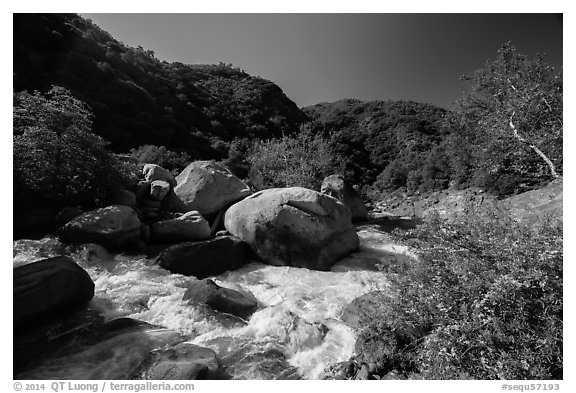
(512, 111)
(57, 159)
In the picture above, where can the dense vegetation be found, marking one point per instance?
(504, 135)
(507, 127)
(58, 161)
(302, 160)
(385, 145)
(139, 100)
(484, 301)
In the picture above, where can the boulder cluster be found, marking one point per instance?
(214, 222)
(206, 221)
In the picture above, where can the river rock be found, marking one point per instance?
(159, 189)
(172, 203)
(294, 226)
(49, 286)
(204, 258)
(65, 215)
(208, 187)
(187, 227)
(337, 187)
(114, 227)
(221, 299)
(121, 354)
(154, 172)
(185, 361)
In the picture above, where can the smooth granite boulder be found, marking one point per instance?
(294, 226)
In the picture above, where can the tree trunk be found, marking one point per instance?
(549, 162)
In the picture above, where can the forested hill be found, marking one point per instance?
(137, 99)
(397, 143)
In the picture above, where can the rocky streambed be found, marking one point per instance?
(142, 322)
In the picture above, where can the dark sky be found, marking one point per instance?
(325, 57)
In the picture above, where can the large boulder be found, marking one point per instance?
(189, 226)
(221, 299)
(294, 226)
(114, 227)
(49, 286)
(337, 187)
(204, 258)
(208, 187)
(154, 172)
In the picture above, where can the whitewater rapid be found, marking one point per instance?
(296, 332)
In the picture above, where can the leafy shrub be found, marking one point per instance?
(151, 154)
(303, 160)
(237, 161)
(56, 157)
(487, 290)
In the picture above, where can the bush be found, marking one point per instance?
(151, 154)
(57, 159)
(487, 290)
(302, 160)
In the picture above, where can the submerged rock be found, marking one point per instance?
(183, 362)
(117, 355)
(49, 286)
(294, 226)
(337, 187)
(204, 258)
(114, 227)
(221, 299)
(208, 187)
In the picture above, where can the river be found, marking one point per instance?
(296, 332)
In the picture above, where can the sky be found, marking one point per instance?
(326, 57)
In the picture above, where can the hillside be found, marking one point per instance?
(137, 99)
(395, 144)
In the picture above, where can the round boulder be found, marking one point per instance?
(221, 299)
(114, 227)
(187, 227)
(337, 187)
(204, 258)
(49, 286)
(294, 226)
(208, 187)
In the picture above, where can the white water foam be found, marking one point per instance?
(297, 325)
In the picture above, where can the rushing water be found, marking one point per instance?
(296, 332)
